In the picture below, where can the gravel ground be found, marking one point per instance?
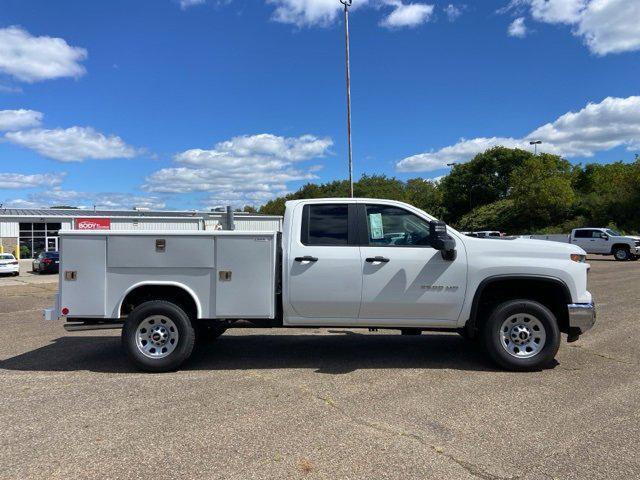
(319, 404)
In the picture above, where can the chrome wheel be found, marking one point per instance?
(157, 336)
(522, 335)
(621, 254)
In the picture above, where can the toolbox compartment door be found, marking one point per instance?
(160, 251)
(245, 276)
(84, 294)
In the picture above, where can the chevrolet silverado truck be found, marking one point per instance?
(604, 241)
(352, 263)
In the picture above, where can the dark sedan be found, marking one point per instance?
(46, 262)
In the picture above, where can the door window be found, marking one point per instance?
(585, 233)
(394, 227)
(325, 225)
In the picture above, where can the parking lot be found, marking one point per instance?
(319, 403)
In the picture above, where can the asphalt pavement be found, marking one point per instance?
(312, 404)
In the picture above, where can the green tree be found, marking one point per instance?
(542, 191)
(425, 194)
(499, 215)
(483, 180)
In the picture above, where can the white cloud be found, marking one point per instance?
(407, 15)
(308, 13)
(460, 152)
(606, 26)
(611, 26)
(612, 123)
(32, 59)
(102, 200)
(245, 169)
(557, 11)
(305, 13)
(452, 12)
(19, 180)
(17, 119)
(184, 4)
(73, 144)
(517, 28)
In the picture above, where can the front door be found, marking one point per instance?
(324, 275)
(405, 280)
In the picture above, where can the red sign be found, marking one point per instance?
(93, 223)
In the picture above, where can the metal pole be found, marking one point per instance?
(347, 4)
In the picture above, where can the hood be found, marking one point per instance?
(527, 246)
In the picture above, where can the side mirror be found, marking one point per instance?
(440, 239)
(604, 236)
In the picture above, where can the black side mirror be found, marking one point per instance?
(441, 240)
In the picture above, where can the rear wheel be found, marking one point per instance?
(521, 335)
(158, 336)
(621, 254)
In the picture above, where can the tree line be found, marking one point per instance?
(510, 190)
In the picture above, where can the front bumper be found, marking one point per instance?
(582, 317)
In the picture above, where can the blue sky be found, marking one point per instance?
(195, 103)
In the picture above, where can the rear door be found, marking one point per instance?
(405, 280)
(324, 275)
(584, 239)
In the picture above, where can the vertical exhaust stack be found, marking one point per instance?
(230, 221)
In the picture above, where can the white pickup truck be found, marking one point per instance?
(604, 241)
(337, 263)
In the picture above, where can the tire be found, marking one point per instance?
(521, 335)
(163, 322)
(15, 274)
(621, 254)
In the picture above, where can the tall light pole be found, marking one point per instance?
(535, 144)
(347, 4)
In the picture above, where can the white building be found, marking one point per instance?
(37, 230)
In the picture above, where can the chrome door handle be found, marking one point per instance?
(377, 259)
(306, 258)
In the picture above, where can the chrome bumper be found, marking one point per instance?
(582, 316)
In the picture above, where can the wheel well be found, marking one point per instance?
(551, 293)
(623, 245)
(169, 293)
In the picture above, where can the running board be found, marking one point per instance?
(82, 327)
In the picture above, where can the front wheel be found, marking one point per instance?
(158, 336)
(521, 335)
(621, 254)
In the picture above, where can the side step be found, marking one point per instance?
(81, 327)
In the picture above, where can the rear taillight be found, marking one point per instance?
(65, 311)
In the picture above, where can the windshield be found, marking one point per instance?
(6, 256)
(613, 233)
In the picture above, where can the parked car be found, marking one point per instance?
(353, 263)
(46, 262)
(604, 241)
(9, 264)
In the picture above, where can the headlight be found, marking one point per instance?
(578, 258)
